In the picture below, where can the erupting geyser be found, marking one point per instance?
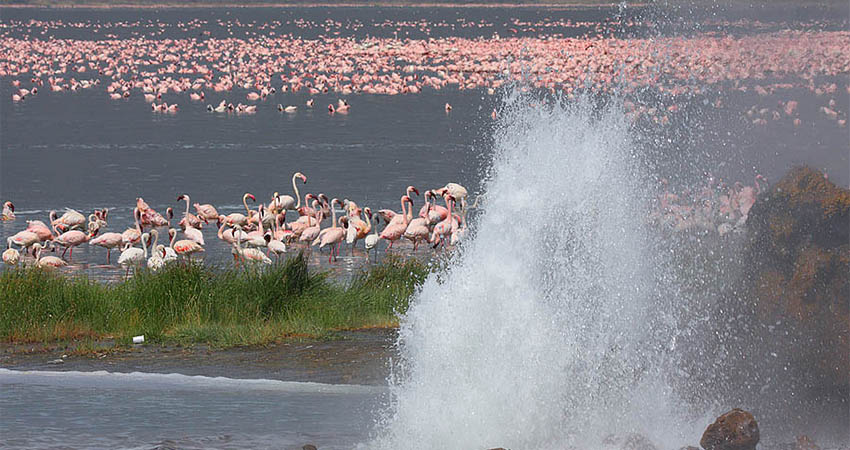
(556, 325)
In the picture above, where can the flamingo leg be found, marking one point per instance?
(107, 255)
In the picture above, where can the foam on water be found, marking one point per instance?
(555, 325)
(157, 381)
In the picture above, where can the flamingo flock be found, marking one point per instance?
(262, 232)
(715, 207)
(268, 64)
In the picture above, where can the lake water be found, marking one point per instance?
(138, 410)
(83, 150)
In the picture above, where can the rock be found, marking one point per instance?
(805, 443)
(309, 447)
(56, 361)
(690, 447)
(734, 430)
(798, 260)
(628, 441)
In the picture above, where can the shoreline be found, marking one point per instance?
(345, 357)
(566, 5)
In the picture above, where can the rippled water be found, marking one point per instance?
(85, 151)
(136, 410)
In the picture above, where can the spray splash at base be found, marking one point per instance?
(555, 326)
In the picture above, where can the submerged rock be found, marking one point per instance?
(734, 430)
(628, 441)
(309, 447)
(805, 443)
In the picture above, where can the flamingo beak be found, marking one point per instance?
(253, 199)
(303, 177)
(416, 191)
(11, 206)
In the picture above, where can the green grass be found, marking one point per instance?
(198, 304)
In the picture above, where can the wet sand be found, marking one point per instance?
(350, 357)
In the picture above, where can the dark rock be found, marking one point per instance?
(734, 430)
(799, 261)
(629, 441)
(309, 447)
(690, 447)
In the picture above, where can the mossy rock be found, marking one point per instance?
(799, 264)
(804, 208)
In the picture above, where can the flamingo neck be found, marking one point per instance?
(186, 197)
(297, 194)
(403, 211)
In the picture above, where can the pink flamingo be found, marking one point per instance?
(189, 219)
(108, 241)
(73, 238)
(331, 235)
(393, 231)
(444, 228)
(133, 235)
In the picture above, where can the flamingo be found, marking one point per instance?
(11, 256)
(40, 229)
(331, 235)
(187, 248)
(458, 192)
(108, 241)
(47, 262)
(132, 256)
(257, 238)
(249, 254)
(395, 218)
(156, 260)
(188, 229)
(170, 254)
(371, 240)
(442, 229)
(393, 231)
(189, 219)
(238, 218)
(73, 238)
(133, 235)
(274, 246)
(310, 233)
(358, 228)
(206, 211)
(70, 219)
(286, 202)
(416, 231)
(24, 239)
(8, 212)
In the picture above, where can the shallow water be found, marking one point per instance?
(136, 410)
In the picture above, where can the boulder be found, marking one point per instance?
(734, 430)
(798, 261)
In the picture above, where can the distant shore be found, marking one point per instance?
(308, 4)
(551, 4)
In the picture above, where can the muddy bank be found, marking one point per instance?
(351, 357)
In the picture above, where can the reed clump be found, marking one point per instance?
(198, 304)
